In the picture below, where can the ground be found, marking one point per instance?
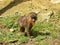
(45, 33)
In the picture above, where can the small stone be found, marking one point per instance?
(11, 30)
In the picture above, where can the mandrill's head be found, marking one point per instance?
(33, 16)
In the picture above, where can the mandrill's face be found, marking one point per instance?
(33, 16)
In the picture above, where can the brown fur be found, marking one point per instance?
(3, 43)
(27, 22)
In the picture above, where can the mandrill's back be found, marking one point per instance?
(22, 20)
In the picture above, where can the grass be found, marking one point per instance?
(40, 31)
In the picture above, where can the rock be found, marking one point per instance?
(11, 30)
(45, 16)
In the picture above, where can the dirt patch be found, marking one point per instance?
(28, 43)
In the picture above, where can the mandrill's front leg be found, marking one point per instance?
(27, 30)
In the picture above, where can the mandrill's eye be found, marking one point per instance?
(34, 18)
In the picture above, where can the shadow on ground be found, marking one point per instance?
(36, 33)
(10, 5)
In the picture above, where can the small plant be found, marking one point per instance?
(39, 38)
(45, 43)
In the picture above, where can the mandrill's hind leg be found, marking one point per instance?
(22, 29)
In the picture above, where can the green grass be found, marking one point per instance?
(7, 37)
(45, 43)
(40, 30)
